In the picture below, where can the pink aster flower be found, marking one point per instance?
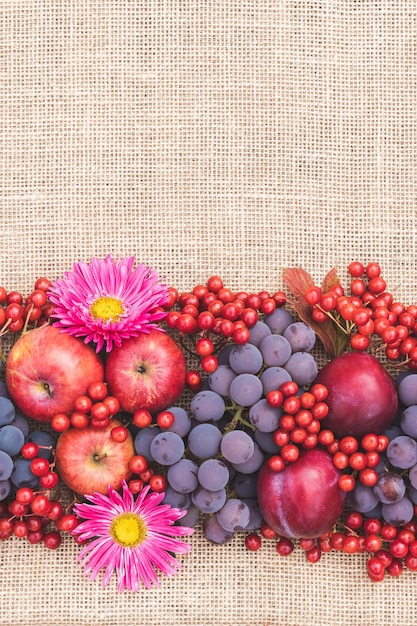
(132, 537)
(107, 301)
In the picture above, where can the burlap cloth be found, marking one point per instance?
(208, 136)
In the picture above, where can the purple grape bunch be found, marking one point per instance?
(212, 453)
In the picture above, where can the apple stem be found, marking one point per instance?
(47, 389)
(99, 457)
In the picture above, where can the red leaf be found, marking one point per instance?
(330, 281)
(298, 281)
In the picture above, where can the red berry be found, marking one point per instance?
(60, 422)
(100, 423)
(249, 317)
(348, 444)
(398, 548)
(204, 346)
(119, 434)
(136, 485)
(356, 269)
(388, 532)
(158, 483)
(354, 520)
(372, 270)
(56, 511)
(314, 554)
(306, 543)
(20, 528)
(165, 419)
(42, 283)
(346, 482)
(35, 536)
(40, 505)
(99, 411)
(281, 437)
(304, 418)
(289, 388)
(368, 477)
(325, 437)
(290, 453)
(360, 342)
(291, 405)
(142, 418)
(375, 567)
(307, 400)
(370, 442)
(373, 543)
(284, 547)
(79, 420)
(172, 319)
(138, 464)
(214, 284)
(209, 363)
(49, 480)
(274, 397)
(193, 380)
(358, 461)
(24, 495)
(146, 475)
(113, 404)
(319, 410)
(340, 460)
(328, 301)
(29, 450)
(67, 523)
(351, 544)
(253, 542)
(200, 291)
(395, 568)
(313, 295)
(52, 539)
(39, 466)
(241, 335)
(267, 532)
(17, 508)
(97, 391)
(276, 463)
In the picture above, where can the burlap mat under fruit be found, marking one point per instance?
(208, 136)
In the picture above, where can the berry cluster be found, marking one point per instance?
(144, 474)
(300, 428)
(216, 313)
(35, 510)
(17, 313)
(358, 458)
(299, 425)
(390, 549)
(368, 312)
(94, 409)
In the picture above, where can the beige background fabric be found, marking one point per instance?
(234, 137)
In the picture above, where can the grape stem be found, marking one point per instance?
(239, 419)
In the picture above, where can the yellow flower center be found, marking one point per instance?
(128, 529)
(107, 308)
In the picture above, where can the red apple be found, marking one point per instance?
(304, 500)
(47, 370)
(89, 460)
(146, 372)
(362, 395)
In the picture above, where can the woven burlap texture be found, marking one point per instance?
(229, 137)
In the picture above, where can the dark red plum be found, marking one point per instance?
(304, 500)
(362, 395)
